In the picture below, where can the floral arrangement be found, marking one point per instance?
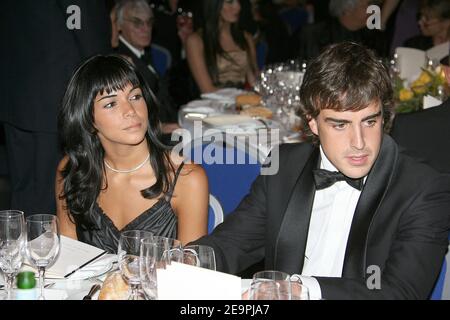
(409, 97)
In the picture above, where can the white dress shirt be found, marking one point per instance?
(329, 227)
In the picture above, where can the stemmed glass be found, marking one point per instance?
(43, 244)
(157, 253)
(128, 256)
(12, 241)
(199, 256)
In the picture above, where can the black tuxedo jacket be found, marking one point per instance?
(400, 224)
(425, 135)
(150, 77)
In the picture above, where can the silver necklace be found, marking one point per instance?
(129, 170)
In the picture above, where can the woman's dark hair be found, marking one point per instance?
(345, 76)
(84, 172)
(210, 34)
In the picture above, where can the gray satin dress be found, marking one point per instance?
(158, 219)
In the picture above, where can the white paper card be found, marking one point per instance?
(430, 102)
(73, 255)
(185, 282)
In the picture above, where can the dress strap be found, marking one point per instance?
(170, 193)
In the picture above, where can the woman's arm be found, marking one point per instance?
(190, 203)
(66, 226)
(253, 70)
(197, 64)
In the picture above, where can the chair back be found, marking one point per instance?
(230, 170)
(161, 58)
(441, 289)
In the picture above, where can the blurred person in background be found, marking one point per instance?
(220, 54)
(434, 23)
(42, 51)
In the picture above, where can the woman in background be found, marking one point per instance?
(220, 54)
(116, 174)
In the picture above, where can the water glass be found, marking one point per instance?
(128, 257)
(12, 241)
(199, 256)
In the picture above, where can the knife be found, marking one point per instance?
(93, 290)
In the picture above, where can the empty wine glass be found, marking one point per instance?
(12, 241)
(157, 253)
(199, 256)
(43, 244)
(128, 256)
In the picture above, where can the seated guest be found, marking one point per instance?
(352, 215)
(425, 135)
(348, 22)
(220, 54)
(116, 174)
(134, 23)
(434, 24)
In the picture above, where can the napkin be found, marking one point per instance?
(185, 282)
(228, 119)
(430, 102)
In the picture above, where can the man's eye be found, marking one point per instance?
(339, 126)
(371, 123)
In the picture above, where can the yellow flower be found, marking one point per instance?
(424, 78)
(406, 94)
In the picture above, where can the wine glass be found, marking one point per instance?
(12, 241)
(43, 244)
(199, 256)
(128, 256)
(157, 253)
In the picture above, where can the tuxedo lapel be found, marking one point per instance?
(291, 242)
(372, 195)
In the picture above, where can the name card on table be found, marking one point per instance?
(185, 282)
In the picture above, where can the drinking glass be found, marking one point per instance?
(12, 241)
(43, 244)
(270, 285)
(199, 256)
(128, 258)
(157, 253)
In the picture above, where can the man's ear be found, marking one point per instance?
(313, 126)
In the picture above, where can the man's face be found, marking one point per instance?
(136, 27)
(351, 140)
(356, 18)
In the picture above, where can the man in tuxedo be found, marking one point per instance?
(348, 212)
(135, 23)
(43, 46)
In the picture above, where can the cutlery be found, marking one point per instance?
(93, 290)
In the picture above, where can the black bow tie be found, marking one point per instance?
(324, 179)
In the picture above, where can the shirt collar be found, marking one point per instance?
(137, 52)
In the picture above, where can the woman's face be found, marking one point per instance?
(230, 11)
(121, 117)
(431, 23)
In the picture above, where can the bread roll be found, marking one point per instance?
(114, 288)
(258, 111)
(251, 99)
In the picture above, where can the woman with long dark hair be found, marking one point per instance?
(220, 54)
(116, 174)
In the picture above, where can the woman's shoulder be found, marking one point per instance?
(187, 169)
(62, 164)
(194, 39)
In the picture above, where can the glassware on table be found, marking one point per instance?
(277, 285)
(128, 257)
(156, 254)
(43, 244)
(199, 256)
(12, 242)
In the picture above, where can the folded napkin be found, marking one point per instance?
(228, 119)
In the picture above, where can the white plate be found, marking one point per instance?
(91, 271)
